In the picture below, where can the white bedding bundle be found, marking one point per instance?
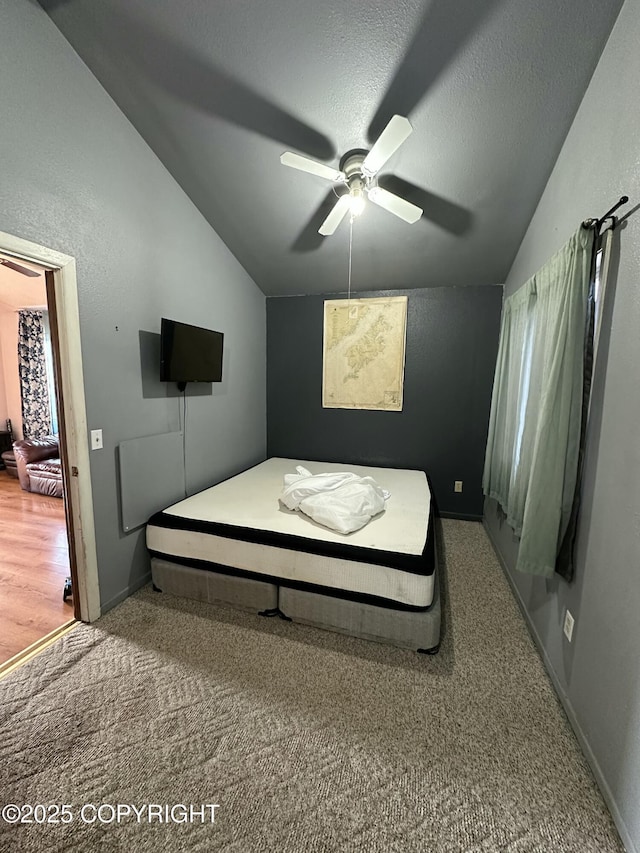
(340, 501)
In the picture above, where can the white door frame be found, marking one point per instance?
(75, 415)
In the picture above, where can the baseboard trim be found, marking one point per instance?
(125, 593)
(460, 516)
(566, 704)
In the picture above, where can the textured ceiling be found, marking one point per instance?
(220, 89)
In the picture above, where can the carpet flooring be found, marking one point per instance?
(305, 740)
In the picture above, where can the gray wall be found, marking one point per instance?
(76, 177)
(452, 339)
(598, 674)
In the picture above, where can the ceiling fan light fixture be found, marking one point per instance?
(357, 205)
(356, 198)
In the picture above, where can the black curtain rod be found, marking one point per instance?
(597, 223)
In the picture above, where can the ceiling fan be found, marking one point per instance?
(18, 268)
(358, 171)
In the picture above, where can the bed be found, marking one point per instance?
(237, 544)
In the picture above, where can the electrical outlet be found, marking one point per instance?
(96, 439)
(569, 622)
(457, 486)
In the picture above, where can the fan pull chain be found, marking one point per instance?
(350, 253)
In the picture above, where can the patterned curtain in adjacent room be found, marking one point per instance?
(34, 386)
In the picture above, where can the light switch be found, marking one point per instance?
(96, 439)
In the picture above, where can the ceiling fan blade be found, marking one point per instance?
(440, 211)
(308, 240)
(391, 138)
(396, 205)
(296, 161)
(336, 216)
(18, 268)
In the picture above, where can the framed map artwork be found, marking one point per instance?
(363, 354)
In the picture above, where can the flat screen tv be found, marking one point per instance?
(189, 353)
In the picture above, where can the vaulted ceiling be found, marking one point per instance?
(219, 90)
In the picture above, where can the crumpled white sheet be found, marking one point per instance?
(340, 501)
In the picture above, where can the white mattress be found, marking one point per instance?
(364, 562)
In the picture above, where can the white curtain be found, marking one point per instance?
(531, 463)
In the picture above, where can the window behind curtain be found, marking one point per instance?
(48, 354)
(533, 448)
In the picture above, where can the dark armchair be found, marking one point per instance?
(38, 464)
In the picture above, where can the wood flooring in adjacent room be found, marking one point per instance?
(34, 562)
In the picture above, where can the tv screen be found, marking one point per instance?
(189, 353)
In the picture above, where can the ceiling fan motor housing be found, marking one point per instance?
(351, 166)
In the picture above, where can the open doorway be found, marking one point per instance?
(60, 503)
(34, 542)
